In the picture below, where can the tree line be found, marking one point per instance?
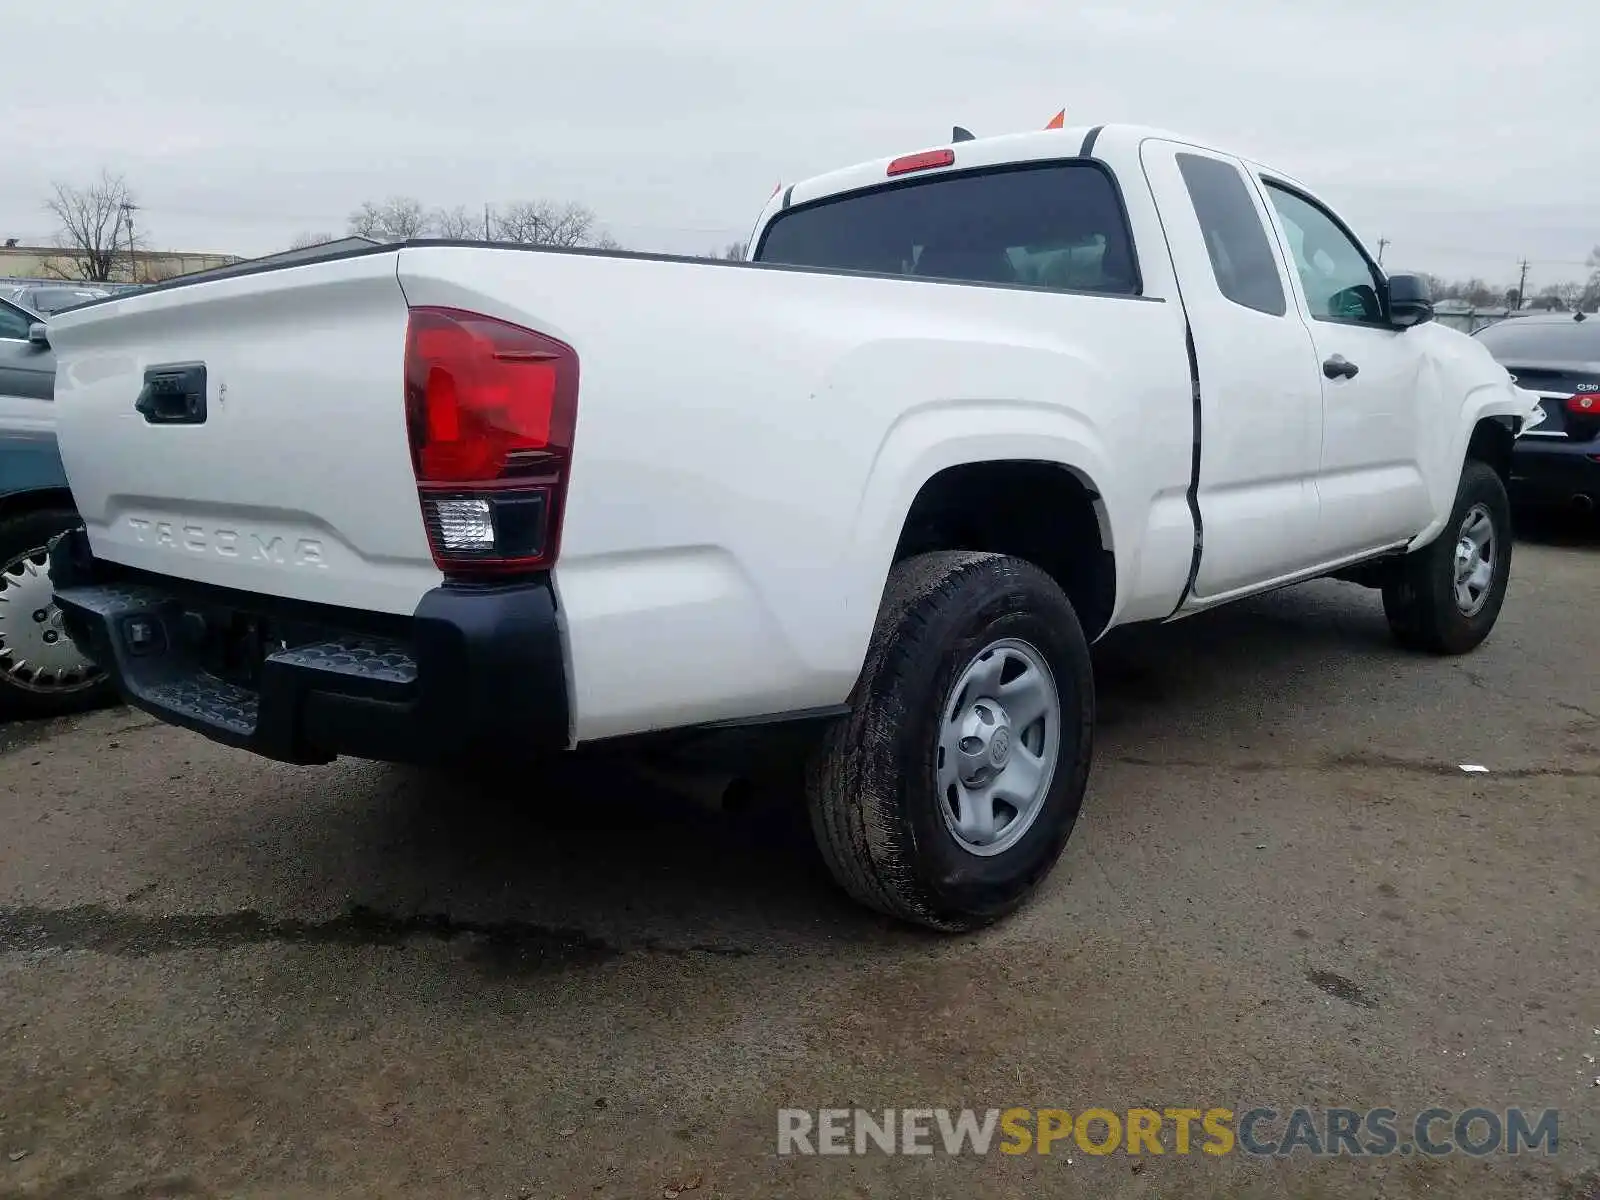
(1554, 297)
(526, 222)
(98, 234)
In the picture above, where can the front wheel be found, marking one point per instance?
(949, 792)
(1446, 597)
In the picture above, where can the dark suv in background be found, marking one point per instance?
(41, 671)
(1557, 357)
(47, 299)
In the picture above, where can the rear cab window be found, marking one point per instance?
(1242, 259)
(1056, 225)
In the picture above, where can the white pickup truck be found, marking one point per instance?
(961, 413)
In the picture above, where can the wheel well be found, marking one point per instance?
(1491, 442)
(31, 501)
(1039, 511)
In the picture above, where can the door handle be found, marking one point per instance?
(1339, 367)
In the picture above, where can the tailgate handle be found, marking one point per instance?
(174, 394)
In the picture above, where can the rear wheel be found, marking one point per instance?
(950, 790)
(1446, 597)
(41, 672)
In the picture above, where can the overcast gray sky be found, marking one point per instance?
(1462, 130)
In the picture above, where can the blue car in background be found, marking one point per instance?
(1557, 357)
(41, 671)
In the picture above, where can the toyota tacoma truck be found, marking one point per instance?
(960, 413)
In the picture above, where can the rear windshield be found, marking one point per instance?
(53, 300)
(1548, 341)
(1058, 226)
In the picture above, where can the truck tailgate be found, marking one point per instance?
(249, 432)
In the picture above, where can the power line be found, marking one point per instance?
(1500, 255)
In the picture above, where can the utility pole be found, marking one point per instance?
(486, 221)
(1383, 244)
(127, 210)
(1522, 283)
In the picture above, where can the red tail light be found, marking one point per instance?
(1587, 404)
(490, 408)
(925, 161)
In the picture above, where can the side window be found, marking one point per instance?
(1242, 259)
(1055, 225)
(14, 323)
(1339, 282)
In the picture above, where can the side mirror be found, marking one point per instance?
(38, 335)
(1410, 301)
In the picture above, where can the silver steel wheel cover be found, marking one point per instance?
(1474, 560)
(999, 742)
(36, 654)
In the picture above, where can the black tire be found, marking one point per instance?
(1419, 599)
(872, 787)
(25, 536)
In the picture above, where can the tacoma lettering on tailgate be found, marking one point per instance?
(229, 543)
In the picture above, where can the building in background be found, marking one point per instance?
(141, 266)
(1469, 318)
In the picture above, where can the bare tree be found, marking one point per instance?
(1589, 299)
(456, 223)
(304, 241)
(734, 251)
(391, 220)
(96, 222)
(1560, 297)
(543, 223)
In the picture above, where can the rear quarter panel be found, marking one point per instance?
(749, 440)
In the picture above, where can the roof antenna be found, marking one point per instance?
(959, 134)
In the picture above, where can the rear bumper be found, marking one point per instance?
(1554, 470)
(473, 672)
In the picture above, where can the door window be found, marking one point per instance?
(1340, 282)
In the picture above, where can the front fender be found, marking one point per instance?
(1483, 389)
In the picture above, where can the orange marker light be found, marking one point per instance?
(1059, 121)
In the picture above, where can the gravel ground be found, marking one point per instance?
(225, 977)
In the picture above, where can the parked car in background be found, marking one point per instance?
(41, 671)
(50, 298)
(1557, 357)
